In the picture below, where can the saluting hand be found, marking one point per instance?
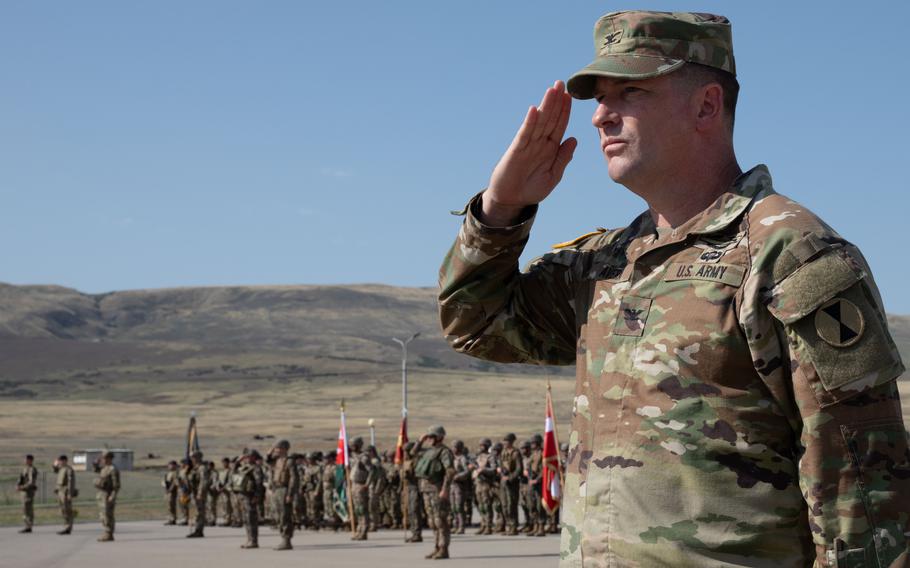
(534, 162)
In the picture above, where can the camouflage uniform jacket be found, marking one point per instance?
(462, 472)
(534, 466)
(108, 482)
(284, 474)
(510, 464)
(28, 480)
(736, 400)
(170, 482)
(200, 482)
(66, 482)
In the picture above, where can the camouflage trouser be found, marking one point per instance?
(438, 510)
(509, 498)
(392, 505)
(535, 507)
(212, 510)
(484, 494)
(330, 518)
(199, 506)
(523, 503)
(228, 498)
(106, 513)
(375, 506)
(250, 518)
(283, 510)
(171, 499)
(183, 500)
(360, 495)
(66, 510)
(314, 508)
(28, 508)
(414, 504)
(300, 510)
(239, 514)
(469, 504)
(459, 500)
(497, 508)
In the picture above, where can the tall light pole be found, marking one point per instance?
(404, 372)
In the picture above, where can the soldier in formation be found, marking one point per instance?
(435, 470)
(28, 485)
(199, 482)
(284, 483)
(107, 482)
(171, 488)
(66, 491)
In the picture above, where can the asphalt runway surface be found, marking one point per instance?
(149, 544)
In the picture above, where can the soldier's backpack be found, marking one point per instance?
(242, 481)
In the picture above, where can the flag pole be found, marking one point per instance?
(555, 437)
(347, 477)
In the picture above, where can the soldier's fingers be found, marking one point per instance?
(564, 156)
(560, 130)
(546, 107)
(554, 109)
(525, 131)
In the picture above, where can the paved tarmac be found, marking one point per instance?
(149, 544)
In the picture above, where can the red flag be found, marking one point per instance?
(552, 474)
(402, 440)
(341, 457)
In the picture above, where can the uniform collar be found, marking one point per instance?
(718, 216)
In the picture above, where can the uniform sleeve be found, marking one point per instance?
(855, 466)
(115, 483)
(491, 310)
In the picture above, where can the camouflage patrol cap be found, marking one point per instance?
(197, 455)
(537, 439)
(526, 444)
(437, 431)
(358, 441)
(458, 444)
(331, 454)
(283, 444)
(317, 455)
(486, 442)
(510, 437)
(497, 447)
(254, 454)
(642, 45)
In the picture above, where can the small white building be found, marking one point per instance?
(83, 460)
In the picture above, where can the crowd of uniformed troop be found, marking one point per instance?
(433, 487)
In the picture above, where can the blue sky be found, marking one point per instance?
(153, 144)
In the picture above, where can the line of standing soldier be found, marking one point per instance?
(107, 482)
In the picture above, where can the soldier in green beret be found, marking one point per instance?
(726, 341)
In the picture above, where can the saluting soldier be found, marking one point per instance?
(28, 485)
(107, 483)
(435, 470)
(66, 491)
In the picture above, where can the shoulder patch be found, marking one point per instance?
(577, 240)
